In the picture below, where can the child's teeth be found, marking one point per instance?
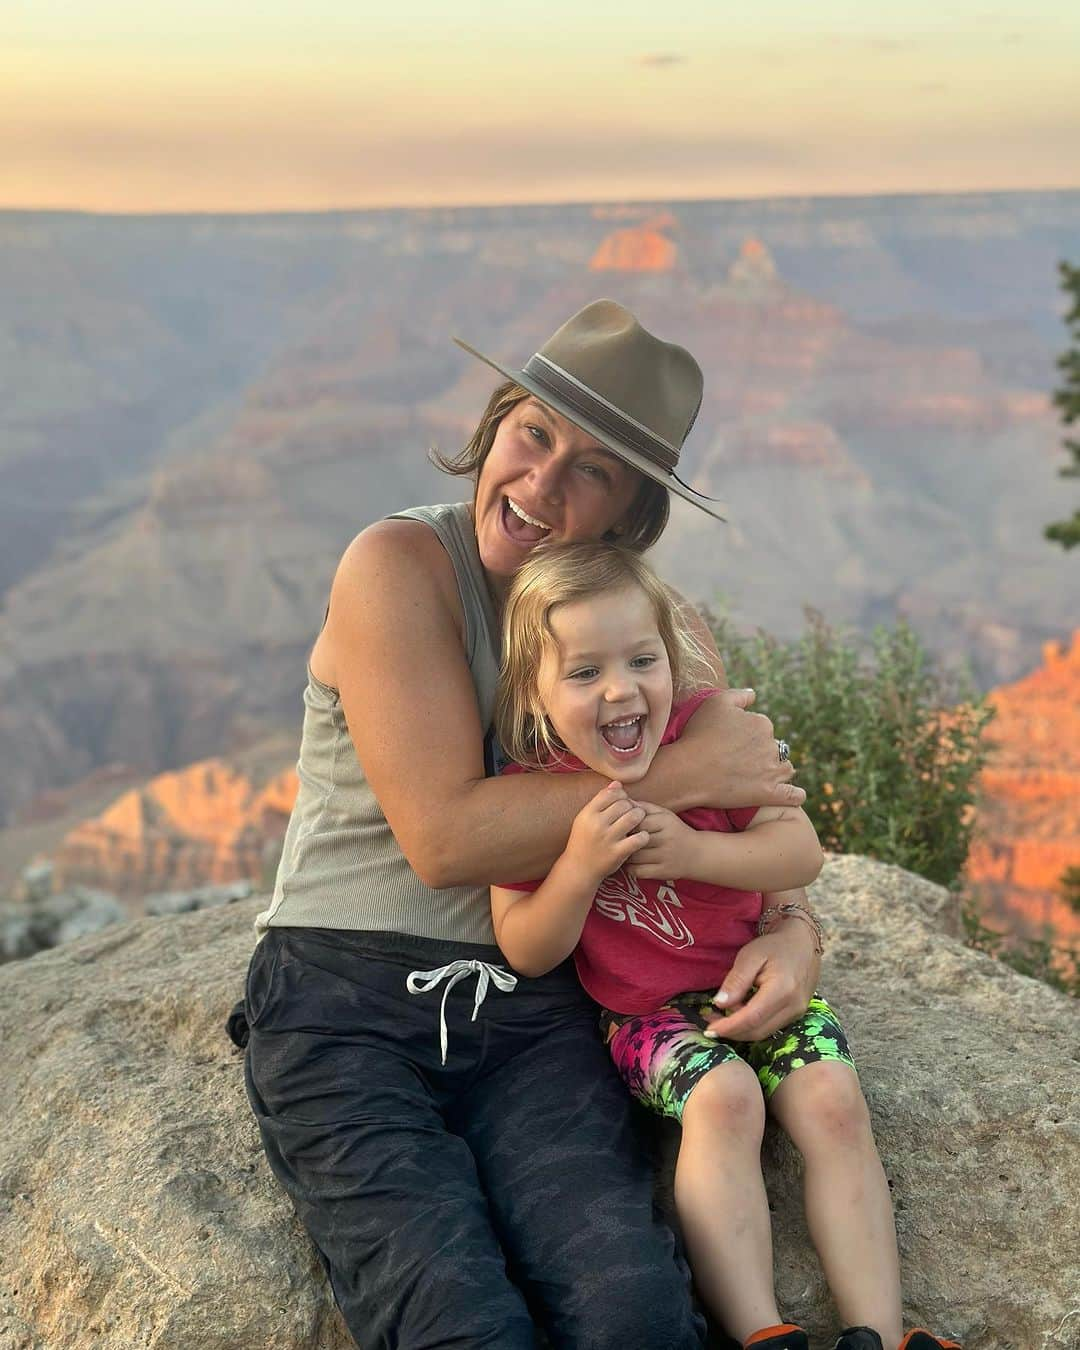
(612, 729)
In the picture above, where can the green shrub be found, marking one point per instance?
(1070, 888)
(887, 747)
(1038, 957)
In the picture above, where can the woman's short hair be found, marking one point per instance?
(648, 514)
(559, 574)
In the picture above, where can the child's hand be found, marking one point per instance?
(606, 831)
(670, 851)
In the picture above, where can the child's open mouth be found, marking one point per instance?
(625, 735)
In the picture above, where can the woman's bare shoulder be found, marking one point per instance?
(394, 542)
(405, 555)
(390, 570)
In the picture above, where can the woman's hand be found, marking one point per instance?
(670, 850)
(731, 756)
(781, 968)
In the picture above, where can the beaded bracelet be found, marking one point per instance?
(797, 912)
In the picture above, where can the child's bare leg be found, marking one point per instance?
(720, 1198)
(848, 1208)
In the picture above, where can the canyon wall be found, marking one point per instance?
(1028, 829)
(206, 823)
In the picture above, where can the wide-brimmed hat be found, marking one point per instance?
(636, 394)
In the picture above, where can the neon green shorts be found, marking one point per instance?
(662, 1054)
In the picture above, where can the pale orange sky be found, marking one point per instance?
(119, 106)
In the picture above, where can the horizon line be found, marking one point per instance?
(240, 214)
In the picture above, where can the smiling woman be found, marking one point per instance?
(400, 1074)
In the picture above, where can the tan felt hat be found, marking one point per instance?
(637, 394)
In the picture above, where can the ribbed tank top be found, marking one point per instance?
(341, 866)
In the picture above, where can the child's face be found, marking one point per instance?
(606, 687)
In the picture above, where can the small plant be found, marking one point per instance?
(1067, 398)
(1040, 958)
(888, 748)
(1070, 888)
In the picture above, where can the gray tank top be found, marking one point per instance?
(341, 866)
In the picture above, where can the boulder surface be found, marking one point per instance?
(136, 1209)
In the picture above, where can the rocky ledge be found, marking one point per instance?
(136, 1209)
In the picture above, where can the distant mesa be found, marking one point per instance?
(638, 248)
(755, 266)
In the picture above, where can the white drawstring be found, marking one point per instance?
(422, 981)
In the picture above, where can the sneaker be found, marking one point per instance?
(922, 1340)
(785, 1337)
(859, 1338)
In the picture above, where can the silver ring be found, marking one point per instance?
(783, 750)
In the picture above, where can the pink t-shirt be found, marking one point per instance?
(646, 940)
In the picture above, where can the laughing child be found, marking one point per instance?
(600, 670)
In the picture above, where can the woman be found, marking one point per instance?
(455, 1140)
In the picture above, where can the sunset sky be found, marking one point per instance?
(232, 105)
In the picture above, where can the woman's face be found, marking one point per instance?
(544, 478)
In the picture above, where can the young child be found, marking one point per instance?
(599, 671)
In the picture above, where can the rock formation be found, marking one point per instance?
(34, 924)
(755, 265)
(41, 913)
(1028, 824)
(205, 823)
(637, 248)
(136, 1207)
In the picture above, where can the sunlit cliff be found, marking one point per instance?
(1028, 824)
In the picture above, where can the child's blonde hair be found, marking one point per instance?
(558, 574)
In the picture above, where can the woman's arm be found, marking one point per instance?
(779, 849)
(393, 648)
(725, 757)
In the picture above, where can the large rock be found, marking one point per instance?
(136, 1208)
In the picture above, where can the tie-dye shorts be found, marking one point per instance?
(662, 1054)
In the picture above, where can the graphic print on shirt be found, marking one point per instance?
(621, 898)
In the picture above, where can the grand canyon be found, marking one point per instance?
(199, 412)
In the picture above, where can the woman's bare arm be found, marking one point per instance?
(393, 648)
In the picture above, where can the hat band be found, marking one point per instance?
(599, 411)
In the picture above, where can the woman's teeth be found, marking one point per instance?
(624, 736)
(524, 515)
